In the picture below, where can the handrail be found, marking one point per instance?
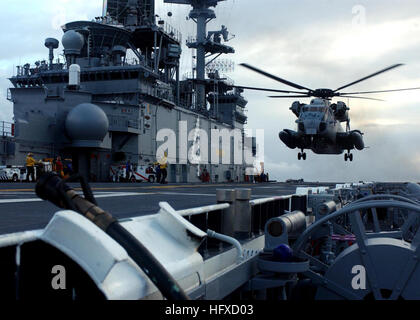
(257, 202)
(201, 210)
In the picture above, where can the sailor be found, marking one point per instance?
(128, 170)
(30, 167)
(158, 172)
(163, 164)
(59, 166)
(68, 168)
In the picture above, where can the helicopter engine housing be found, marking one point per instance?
(357, 139)
(289, 138)
(351, 140)
(296, 108)
(341, 112)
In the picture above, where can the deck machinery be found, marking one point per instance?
(125, 65)
(354, 241)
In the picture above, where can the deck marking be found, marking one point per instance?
(148, 187)
(108, 195)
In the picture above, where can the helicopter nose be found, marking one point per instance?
(311, 127)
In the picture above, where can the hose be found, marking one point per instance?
(230, 240)
(52, 188)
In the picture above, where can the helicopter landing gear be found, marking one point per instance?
(302, 156)
(348, 157)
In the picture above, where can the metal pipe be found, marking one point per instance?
(227, 196)
(383, 196)
(243, 214)
(326, 208)
(159, 54)
(200, 210)
(178, 89)
(230, 240)
(257, 202)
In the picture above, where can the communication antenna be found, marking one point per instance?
(220, 65)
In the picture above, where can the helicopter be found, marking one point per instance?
(319, 124)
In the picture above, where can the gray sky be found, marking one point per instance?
(316, 43)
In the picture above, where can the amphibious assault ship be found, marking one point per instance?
(119, 85)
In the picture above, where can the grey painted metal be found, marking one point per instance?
(201, 15)
(19, 238)
(201, 210)
(267, 265)
(139, 97)
(327, 208)
(228, 219)
(294, 222)
(349, 209)
(279, 230)
(257, 202)
(391, 263)
(226, 195)
(230, 279)
(87, 125)
(243, 194)
(370, 253)
(230, 240)
(413, 188)
(384, 196)
(243, 213)
(73, 43)
(51, 44)
(412, 220)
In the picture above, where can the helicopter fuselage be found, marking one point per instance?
(319, 128)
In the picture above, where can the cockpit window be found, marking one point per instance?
(315, 109)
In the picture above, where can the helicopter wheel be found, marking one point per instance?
(299, 156)
(348, 157)
(304, 156)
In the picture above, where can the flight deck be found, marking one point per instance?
(22, 210)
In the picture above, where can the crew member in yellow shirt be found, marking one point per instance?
(163, 164)
(30, 167)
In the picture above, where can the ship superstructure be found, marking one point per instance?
(127, 63)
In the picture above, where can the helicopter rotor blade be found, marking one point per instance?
(266, 89)
(382, 91)
(301, 96)
(291, 84)
(370, 76)
(364, 98)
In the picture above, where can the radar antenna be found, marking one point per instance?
(206, 44)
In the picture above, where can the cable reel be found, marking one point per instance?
(380, 265)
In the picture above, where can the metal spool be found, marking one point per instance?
(389, 262)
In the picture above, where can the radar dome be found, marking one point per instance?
(87, 125)
(73, 42)
(52, 43)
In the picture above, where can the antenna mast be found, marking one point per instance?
(201, 14)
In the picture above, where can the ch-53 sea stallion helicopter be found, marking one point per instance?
(319, 123)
